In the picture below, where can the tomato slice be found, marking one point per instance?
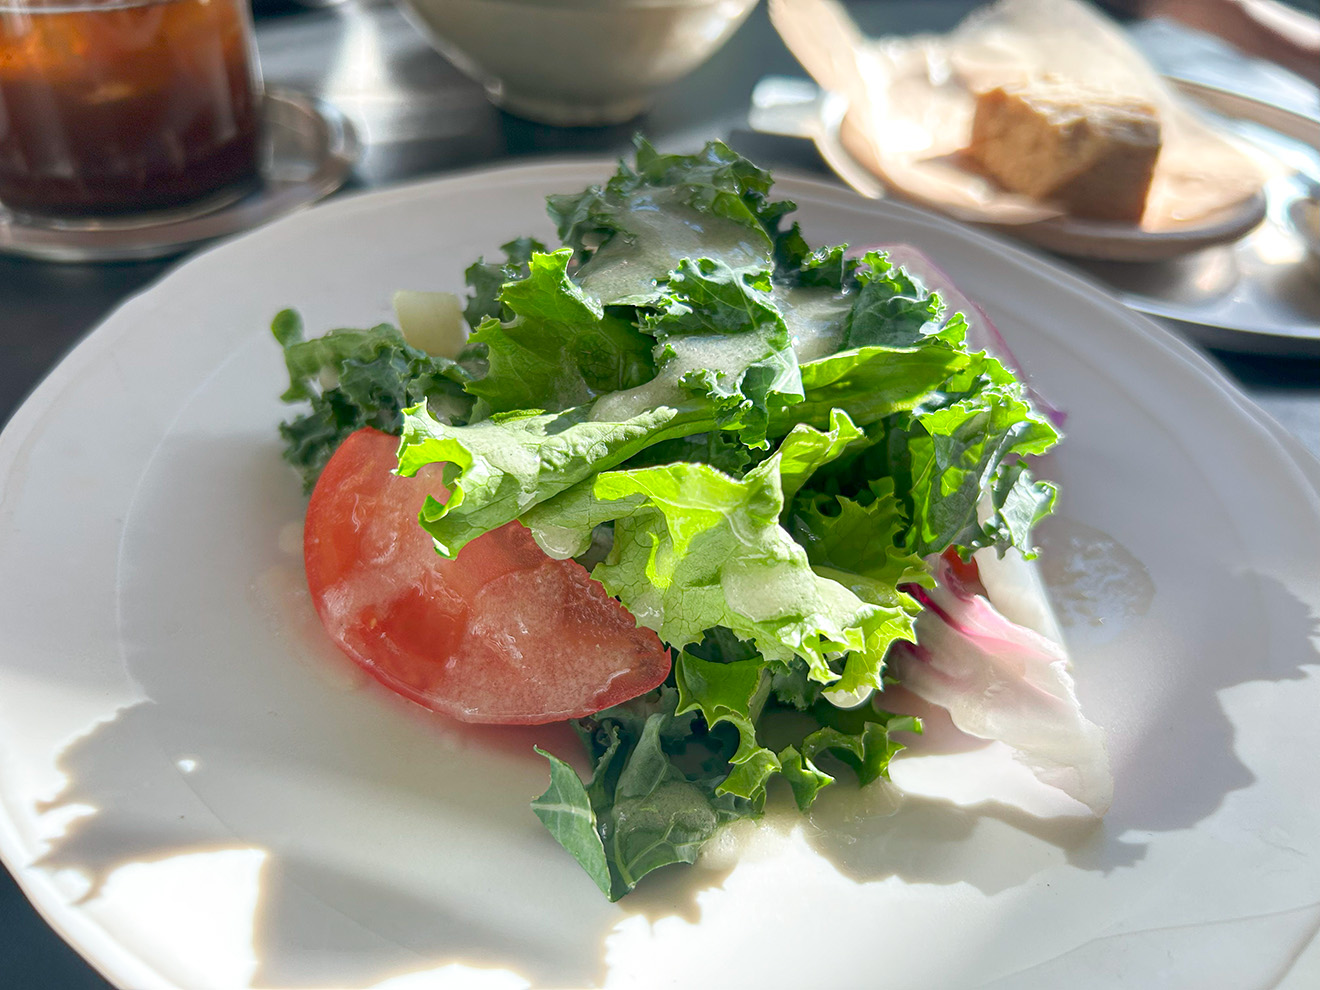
(502, 633)
(965, 571)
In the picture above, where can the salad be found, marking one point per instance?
(702, 488)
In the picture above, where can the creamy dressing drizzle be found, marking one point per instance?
(665, 230)
(561, 542)
(815, 320)
(728, 355)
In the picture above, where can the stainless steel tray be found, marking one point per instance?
(1260, 294)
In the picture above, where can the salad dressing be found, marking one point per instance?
(1097, 585)
(726, 355)
(815, 317)
(616, 407)
(560, 542)
(660, 231)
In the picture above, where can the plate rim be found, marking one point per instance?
(112, 958)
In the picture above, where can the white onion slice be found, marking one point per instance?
(1004, 681)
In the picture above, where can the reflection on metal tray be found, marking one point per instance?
(1260, 294)
(308, 150)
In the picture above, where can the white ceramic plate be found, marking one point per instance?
(197, 790)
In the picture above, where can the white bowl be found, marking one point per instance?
(576, 61)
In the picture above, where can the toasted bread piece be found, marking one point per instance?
(1091, 152)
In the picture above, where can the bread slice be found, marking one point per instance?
(1092, 153)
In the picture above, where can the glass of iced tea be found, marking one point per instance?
(114, 108)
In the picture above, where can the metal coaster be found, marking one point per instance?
(308, 150)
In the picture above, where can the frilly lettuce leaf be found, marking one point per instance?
(739, 694)
(671, 768)
(728, 340)
(893, 310)
(486, 279)
(806, 450)
(870, 383)
(652, 800)
(860, 737)
(717, 181)
(857, 536)
(695, 549)
(856, 543)
(953, 457)
(499, 468)
(358, 378)
(957, 461)
(732, 694)
(631, 233)
(559, 348)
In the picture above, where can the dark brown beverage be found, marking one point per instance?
(111, 108)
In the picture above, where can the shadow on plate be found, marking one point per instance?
(266, 753)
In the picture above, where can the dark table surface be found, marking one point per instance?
(418, 116)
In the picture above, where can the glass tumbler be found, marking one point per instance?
(114, 108)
